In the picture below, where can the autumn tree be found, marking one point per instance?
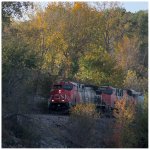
(112, 23)
(139, 26)
(127, 53)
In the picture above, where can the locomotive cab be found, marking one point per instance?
(106, 96)
(63, 95)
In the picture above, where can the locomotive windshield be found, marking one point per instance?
(65, 87)
(105, 91)
(57, 87)
(108, 91)
(68, 87)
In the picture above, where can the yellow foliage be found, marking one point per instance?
(83, 109)
(130, 80)
(77, 6)
(127, 53)
(124, 111)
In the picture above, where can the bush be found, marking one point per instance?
(21, 133)
(82, 125)
(124, 110)
(132, 123)
(82, 109)
(141, 128)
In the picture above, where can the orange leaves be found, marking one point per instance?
(125, 111)
(77, 6)
(125, 115)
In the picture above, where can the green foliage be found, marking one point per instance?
(80, 42)
(141, 124)
(18, 55)
(132, 81)
(98, 66)
(139, 27)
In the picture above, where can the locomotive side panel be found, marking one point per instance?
(88, 95)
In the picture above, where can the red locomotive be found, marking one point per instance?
(63, 95)
(107, 95)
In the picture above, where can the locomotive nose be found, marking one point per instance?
(59, 98)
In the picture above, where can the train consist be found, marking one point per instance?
(64, 95)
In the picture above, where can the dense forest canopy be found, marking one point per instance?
(96, 44)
